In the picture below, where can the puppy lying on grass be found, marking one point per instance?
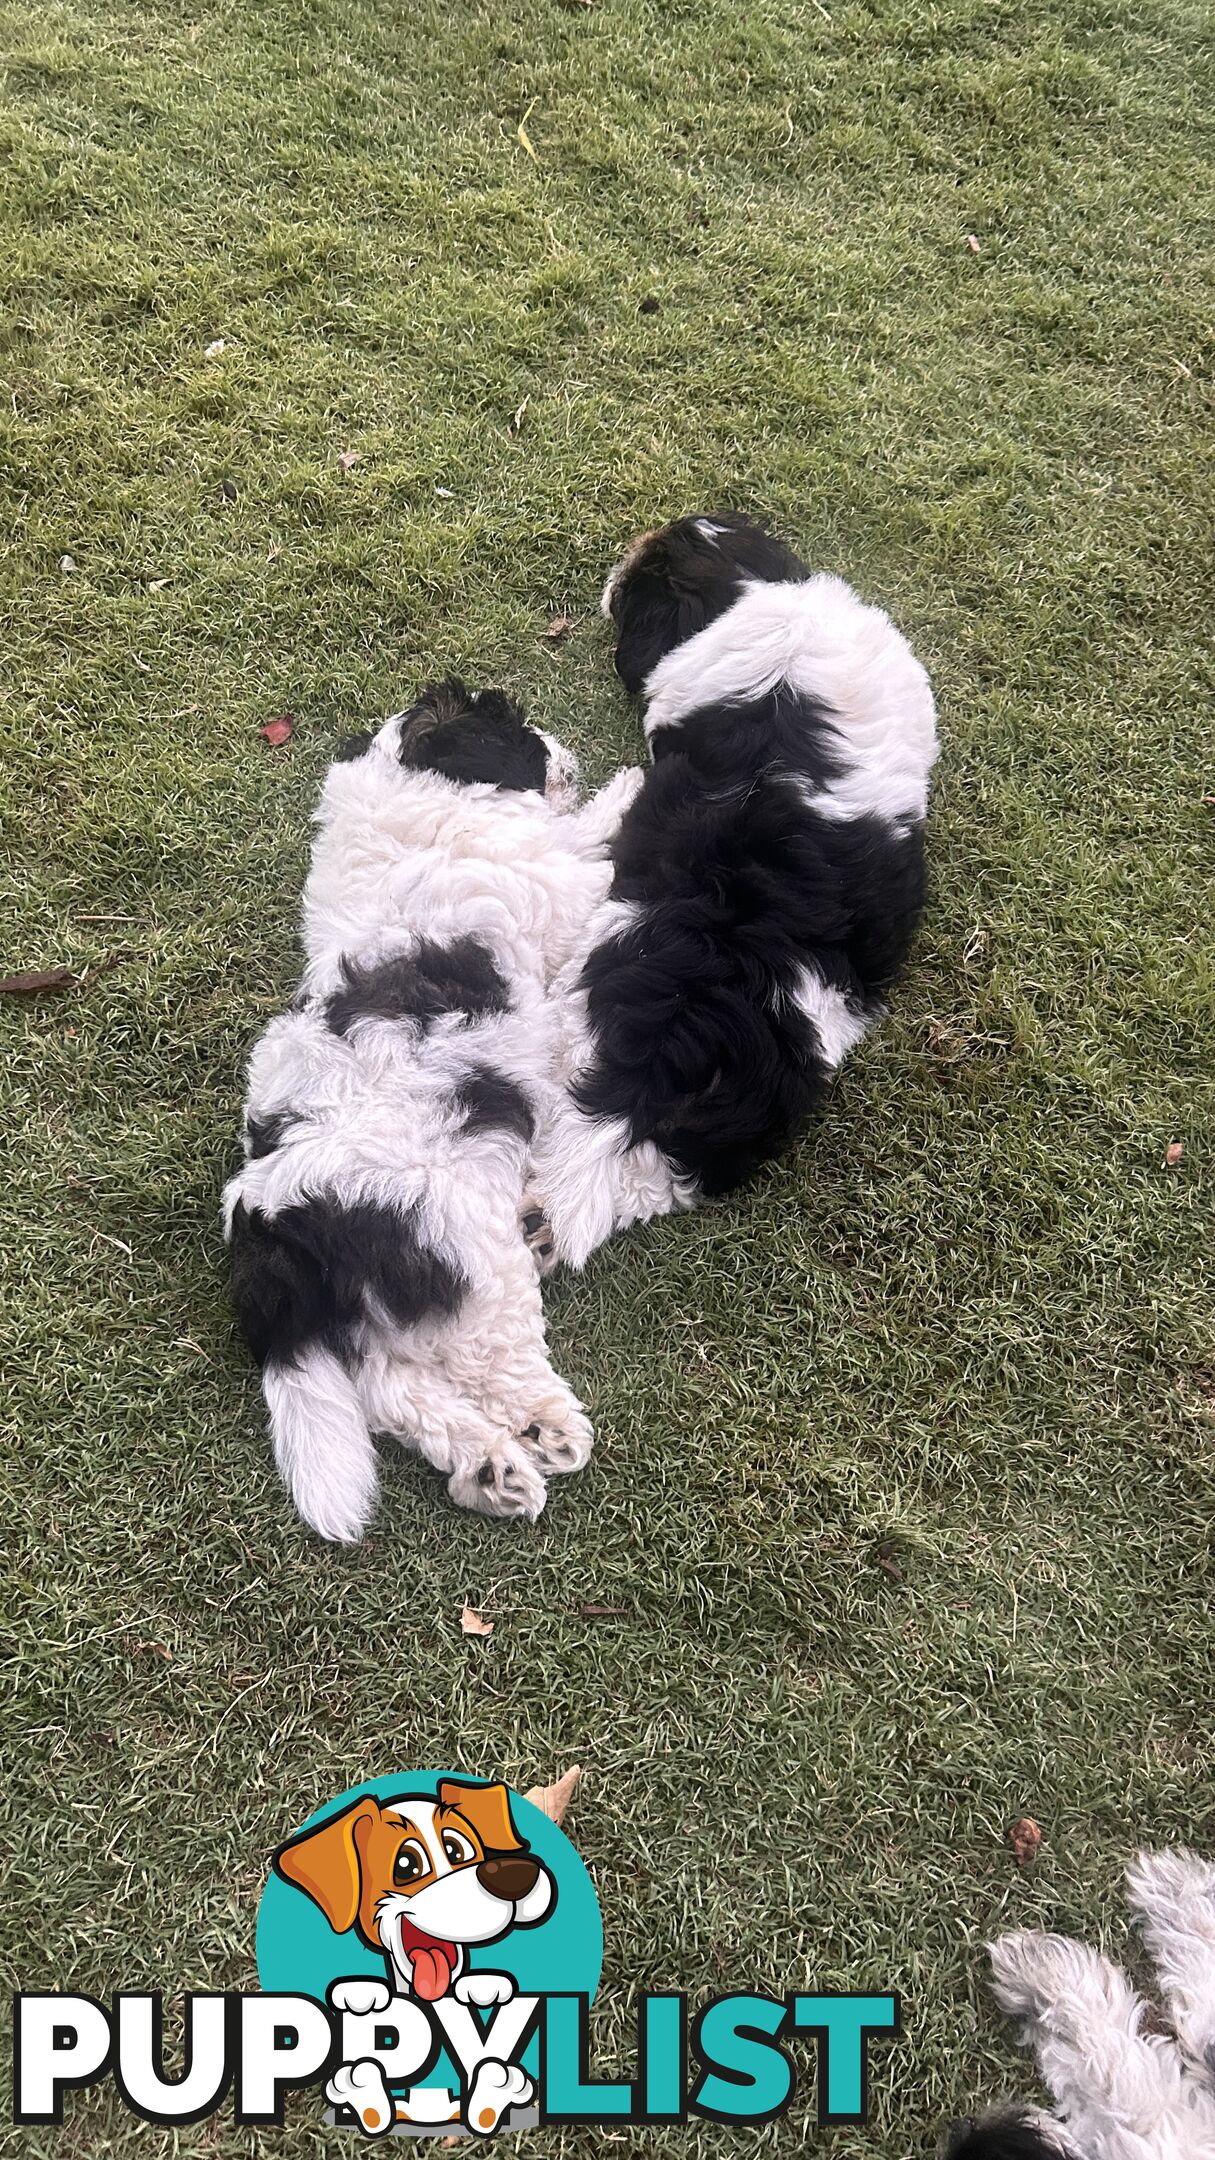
(767, 878)
(378, 1269)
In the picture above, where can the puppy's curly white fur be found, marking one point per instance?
(377, 1267)
(1124, 2089)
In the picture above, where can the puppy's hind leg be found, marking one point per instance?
(486, 1464)
(498, 1355)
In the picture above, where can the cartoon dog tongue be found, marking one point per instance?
(433, 1962)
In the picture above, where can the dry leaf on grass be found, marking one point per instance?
(473, 1623)
(157, 584)
(517, 418)
(1173, 1154)
(277, 732)
(973, 244)
(603, 1612)
(214, 349)
(33, 980)
(553, 1800)
(1025, 1838)
(522, 134)
(347, 459)
(67, 563)
(558, 626)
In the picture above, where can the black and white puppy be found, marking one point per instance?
(1131, 2079)
(767, 878)
(378, 1271)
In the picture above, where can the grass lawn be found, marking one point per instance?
(904, 1467)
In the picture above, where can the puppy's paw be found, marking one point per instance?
(482, 1989)
(537, 1235)
(621, 790)
(360, 1997)
(496, 2087)
(501, 1480)
(558, 1448)
(361, 2087)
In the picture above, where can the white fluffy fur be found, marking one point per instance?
(1172, 1894)
(1125, 2092)
(400, 854)
(822, 638)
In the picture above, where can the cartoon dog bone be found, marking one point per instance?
(361, 2086)
(496, 2086)
(362, 1998)
(483, 1989)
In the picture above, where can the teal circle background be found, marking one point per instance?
(298, 1953)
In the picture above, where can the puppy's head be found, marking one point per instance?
(482, 735)
(1007, 2134)
(672, 582)
(421, 1876)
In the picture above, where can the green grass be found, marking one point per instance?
(965, 1329)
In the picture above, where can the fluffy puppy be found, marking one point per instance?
(1124, 2088)
(767, 879)
(377, 1268)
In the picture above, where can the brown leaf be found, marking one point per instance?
(277, 732)
(1025, 1838)
(1173, 1154)
(348, 459)
(473, 1623)
(35, 980)
(557, 626)
(553, 1800)
(603, 1612)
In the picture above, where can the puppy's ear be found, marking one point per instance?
(674, 589)
(324, 1863)
(487, 1808)
(435, 704)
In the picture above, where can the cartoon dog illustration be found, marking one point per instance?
(422, 1878)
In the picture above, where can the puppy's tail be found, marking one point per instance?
(321, 1443)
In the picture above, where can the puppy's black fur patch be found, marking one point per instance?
(492, 1103)
(1005, 2134)
(352, 747)
(307, 1275)
(266, 1134)
(741, 887)
(473, 736)
(683, 578)
(456, 978)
